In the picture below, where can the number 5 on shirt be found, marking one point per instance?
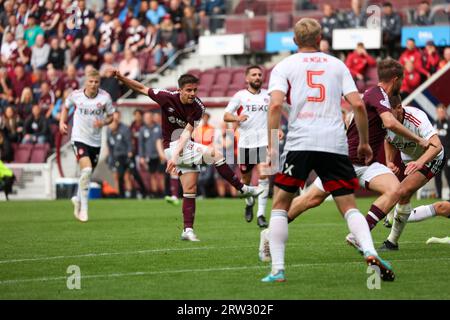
(313, 85)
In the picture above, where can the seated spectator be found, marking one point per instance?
(108, 63)
(431, 57)
(329, 22)
(118, 37)
(50, 19)
(190, 25)
(11, 125)
(176, 13)
(92, 30)
(25, 104)
(166, 43)
(110, 84)
(70, 79)
(9, 44)
(156, 12)
(413, 54)
(142, 13)
(357, 17)
(88, 52)
(358, 61)
(46, 100)
(7, 10)
(57, 55)
(411, 80)
(40, 53)
(21, 55)
(32, 31)
(129, 66)
(14, 27)
(56, 82)
(324, 46)
(150, 40)
(23, 12)
(84, 14)
(135, 34)
(36, 129)
(6, 93)
(391, 25)
(445, 58)
(422, 16)
(19, 81)
(107, 31)
(212, 9)
(6, 151)
(112, 8)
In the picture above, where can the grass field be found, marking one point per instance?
(131, 250)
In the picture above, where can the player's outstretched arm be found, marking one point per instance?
(427, 156)
(63, 120)
(394, 125)
(132, 84)
(390, 152)
(360, 116)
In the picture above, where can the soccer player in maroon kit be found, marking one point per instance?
(181, 112)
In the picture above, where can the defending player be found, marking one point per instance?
(316, 140)
(181, 112)
(248, 108)
(93, 111)
(421, 165)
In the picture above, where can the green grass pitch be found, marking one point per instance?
(131, 250)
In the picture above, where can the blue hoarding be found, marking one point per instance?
(439, 34)
(280, 41)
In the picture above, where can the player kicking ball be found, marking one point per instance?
(181, 112)
(93, 111)
(421, 165)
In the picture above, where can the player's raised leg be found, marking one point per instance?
(441, 208)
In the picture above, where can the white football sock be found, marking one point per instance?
(262, 198)
(422, 213)
(83, 187)
(278, 236)
(249, 201)
(401, 215)
(358, 226)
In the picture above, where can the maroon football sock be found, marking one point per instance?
(174, 187)
(188, 210)
(374, 216)
(228, 174)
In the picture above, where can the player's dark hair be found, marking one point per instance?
(186, 79)
(387, 4)
(388, 69)
(395, 100)
(247, 70)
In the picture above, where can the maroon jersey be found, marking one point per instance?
(174, 114)
(71, 84)
(377, 102)
(134, 128)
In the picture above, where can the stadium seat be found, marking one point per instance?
(39, 153)
(203, 92)
(280, 6)
(195, 72)
(238, 78)
(256, 6)
(255, 28)
(22, 153)
(224, 77)
(281, 21)
(218, 91)
(207, 78)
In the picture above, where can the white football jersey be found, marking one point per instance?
(415, 120)
(253, 131)
(87, 110)
(314, 84)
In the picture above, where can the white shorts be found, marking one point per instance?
(191, 157)
(364, 173)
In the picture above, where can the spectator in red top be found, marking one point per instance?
(70, 79)
(22, 54)
(413, 54)
(358, 61)
(445, 59)
(411, 80)
(47, 99)
(19, 82)
(50, 19)
(88, 52)
(56, 82)
(431, 57)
